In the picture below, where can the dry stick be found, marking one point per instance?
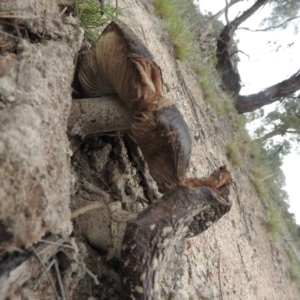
(43, 274)
(57, 244)
(63, 11)
(61, 286)
(19, 270)
(92, 275)
(43, 265)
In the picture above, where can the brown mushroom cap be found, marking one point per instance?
(120, 64)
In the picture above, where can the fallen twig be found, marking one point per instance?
(94, 277)
(43, 274)
(43, 265)
(16, 272)
(57, 244)
(61, 286)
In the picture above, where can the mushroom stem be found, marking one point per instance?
(96, 115)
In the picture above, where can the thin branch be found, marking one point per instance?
(57, 244)
(61, 286)
(272, 27)
(241, 52)
(45, 268)
(226, 12)
(93, 276)
(43, 274)
(246, 14)
(10, 35)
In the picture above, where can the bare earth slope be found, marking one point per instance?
(234, 259)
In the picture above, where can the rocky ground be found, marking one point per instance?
(234, 259)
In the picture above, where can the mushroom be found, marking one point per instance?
(121, 67)
(120, 64)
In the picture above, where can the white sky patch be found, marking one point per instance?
(263, 68)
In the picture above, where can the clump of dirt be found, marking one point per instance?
(109, 168)
(35, 100)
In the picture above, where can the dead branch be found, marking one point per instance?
(45, 269)
(14, 273)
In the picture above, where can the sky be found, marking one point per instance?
(263, 67)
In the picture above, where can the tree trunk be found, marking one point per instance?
(229, 74)
(271, 94)
(207, 27)
(248, 13)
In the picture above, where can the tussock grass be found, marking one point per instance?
(88, 12)
(273, 222)
(259, 175)
(173, 14)
(233, 152)
(294, 267)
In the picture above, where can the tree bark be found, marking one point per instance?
(231, 79)
(271, 94)
(207, 27)
(248, 13)
(229, 74)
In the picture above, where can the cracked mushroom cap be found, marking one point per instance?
(120, 64)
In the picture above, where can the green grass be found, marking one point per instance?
(258, 176)
(233, 152)
(294, 267)
(273, 222)
(88, 12)
(172, 13)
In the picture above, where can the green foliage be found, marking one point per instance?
(258, 177)
(273, 222)
(282, 10)
(88, 12)
(233, 152)
(283, 121)
(172, 12)
(294, 267)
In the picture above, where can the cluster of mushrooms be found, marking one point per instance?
(121, 70)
